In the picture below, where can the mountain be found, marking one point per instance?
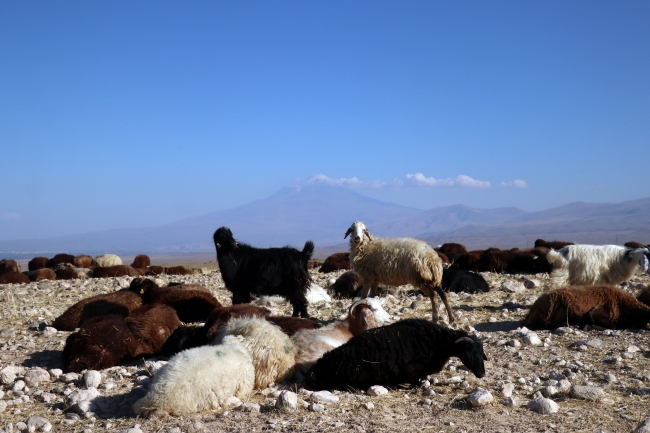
(322, 213)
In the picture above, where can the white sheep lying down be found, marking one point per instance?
(271, 350)
(595, 264)
(199, 379)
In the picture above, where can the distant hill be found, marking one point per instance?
(323, 213)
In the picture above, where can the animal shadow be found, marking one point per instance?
(508, 325)
(44, 358)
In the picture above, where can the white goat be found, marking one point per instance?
(312, 344)
(595, 264)
(271, 349)
(199, 379)
(395, 262)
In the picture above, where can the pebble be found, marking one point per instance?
(377, 390)
(323, 397)
(480, 397)
(81, 395)
(56, 373)
(249, 407)
(287, 400)
(532, 339)
(232, 401)
(69, 377)
(49, 330)
(587, 392)
(38, 423)
(509, 401)
(507, 389)
(543, 406)
(530, 283)
(632, 349)
(369, 405)
(35, 376)
(317, 407)
(514, 343)
(512, 286)
(92, 378)
(549, 391)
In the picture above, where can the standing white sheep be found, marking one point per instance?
(199, 379)
(395, 262)
(595, 264)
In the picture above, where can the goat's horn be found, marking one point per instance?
(359, 302)
(464, 339)
(347, 233)
(367, 233)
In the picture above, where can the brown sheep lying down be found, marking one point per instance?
(37, 263)
(41, 274)
(141, 261)
(119, 304)
(9, 265)
(116, 271)
(108, 341)
(336, 262)
(602, 306)
(14, 278)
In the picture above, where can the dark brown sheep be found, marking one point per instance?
(141, 261)
(530, 261)
(603, 306)
(178, 270)
(335, 262)
(312, 264)
(14, 278)
(493, 260)
(152, 325)
(443, 257)
(644, 296)
(467, 260)
(41, 274)
(220, 316)
(347, 286)
(188, 286)
(115, 271)
(64, 271)
(556, 245)
(83, 261)
(8, 265)
(633, 244)
(451, 248)
(190, 305)
(37, 263)
(60, 258)
(119, 304)
(291, 325)
(153, 270)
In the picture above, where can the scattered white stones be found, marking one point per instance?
(507, 389)
(377, 390)
(480, 397)
(543, 406)
(587, 392)
(35, 376)
(92, 378)
(324, 397)
(287, 400)
(512, 286)
(38, 423)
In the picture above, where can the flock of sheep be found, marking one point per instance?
(236, 349)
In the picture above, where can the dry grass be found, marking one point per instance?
(402, 409)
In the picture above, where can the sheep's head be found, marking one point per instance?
(356, 232)
(640, 256)
(224, 240)
(470, 351)
(142, 285)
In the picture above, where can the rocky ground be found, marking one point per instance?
(595, 380)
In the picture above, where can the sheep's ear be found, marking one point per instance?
(347, 233)
(367, 233)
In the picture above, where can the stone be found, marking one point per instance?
(84, 407)
(49, 330)
(632, 349)
(131, 430)
(532, 339)
(563, 386)
(287, 400)
(428, 392)
(512, 286)
(530, 283)
(324, 397)
(69, 377)
(582, 392)
(377, 390)
(9, 374)
(369, 405)
(155, 366)
(317, 407)
(509, 401)
(81, 395)
(644, 427)
(480, 397)
(56, 373)
(231, 402)
(507, 389)
(18, 385)
(514, 343)
(543, 406)
(38, 423)
(549, 391)
(249, 407)
(3, 405)
(92, 378)
(35, 376)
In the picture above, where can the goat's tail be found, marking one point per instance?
(308, 250)
(560, 274)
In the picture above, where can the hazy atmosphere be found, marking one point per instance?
(121, 115)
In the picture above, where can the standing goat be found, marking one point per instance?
(595, 264)
(395, 262)
(264, 271)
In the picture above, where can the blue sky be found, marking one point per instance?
(129, 114)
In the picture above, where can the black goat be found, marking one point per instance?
(399, 353)
(459, 280)
(264, 271)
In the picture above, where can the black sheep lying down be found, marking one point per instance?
(402, 352)
(264, 271)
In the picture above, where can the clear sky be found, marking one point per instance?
(132, 114)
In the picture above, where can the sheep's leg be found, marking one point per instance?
(434, 306)
(367, 289)
(443, 296)
(241, 298)
(299, 302)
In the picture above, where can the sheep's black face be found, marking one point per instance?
(472, 355)
(223, 239)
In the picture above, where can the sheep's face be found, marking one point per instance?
(470, 352)
(224, 240)
(356, 232)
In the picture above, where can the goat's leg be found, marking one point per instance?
(299, 302)
(443, 296)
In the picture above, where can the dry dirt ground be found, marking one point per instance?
(618, 362)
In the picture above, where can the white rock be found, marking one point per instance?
(454, 379)
(49, 330)
(3, 405)
(564, 386)
(81, 395)
(68, 377)
(532, 339)
(632, 349)
(231, 402)
(249, 407)
(582, 392)
(155, 366)
(543, 406)
(512, 286)
(143, 380)
(92, 378)
(38, 423)
(369, 405)
(9, 374)
(287, 400)
(509, 401)
(549, 391)
(514, 343)
(324, 397)
(56, 373)
(83, 407)
(506, 389)
(377, 390)
(35, 376)
(18, 385)
(480, 397)
(317, 407)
